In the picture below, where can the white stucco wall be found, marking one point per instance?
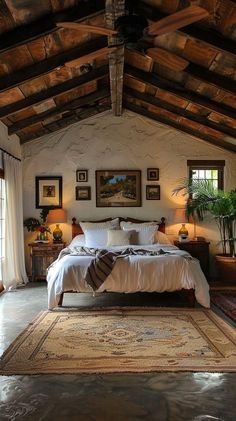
(9, 144)
(126, 142)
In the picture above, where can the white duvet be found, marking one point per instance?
(166, 272)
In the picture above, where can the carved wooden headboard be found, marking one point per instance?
(77, 230)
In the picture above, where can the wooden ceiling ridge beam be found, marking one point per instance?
(179, 126)
(65, 121)
(63, 87)
(47, 24)
(40, 68)
(208, 36)
(181, 111)
(170, 86)
(71, 105)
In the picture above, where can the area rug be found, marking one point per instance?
(123, 340)
(226, 301)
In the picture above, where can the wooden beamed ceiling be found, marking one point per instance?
(52, 77)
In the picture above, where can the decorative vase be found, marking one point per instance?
(226, 267)
(57, 233)
(42, 236)
(183, 233)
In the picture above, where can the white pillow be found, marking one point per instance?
(114, 223)
(161, 238)
(96, 238)
(77, 241)
(118, 237)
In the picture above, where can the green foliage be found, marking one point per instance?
(32, 224)
(203, 198)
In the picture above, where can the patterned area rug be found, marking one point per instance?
(226, 301)
(123, 340)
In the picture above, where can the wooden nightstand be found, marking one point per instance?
(198, 249)
(42, 255)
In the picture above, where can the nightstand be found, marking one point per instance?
(198, 249)
(42, 255)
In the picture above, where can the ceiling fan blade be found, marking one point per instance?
(89, 57)
(177, 20)
(87, 28)
(167, 59)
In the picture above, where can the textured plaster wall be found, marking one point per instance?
(126, 142)
(9, 144)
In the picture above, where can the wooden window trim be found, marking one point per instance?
(208, 165)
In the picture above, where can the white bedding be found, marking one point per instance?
(131, 274)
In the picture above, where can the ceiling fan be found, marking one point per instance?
(130, 28)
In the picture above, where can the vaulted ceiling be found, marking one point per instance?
(52, 76)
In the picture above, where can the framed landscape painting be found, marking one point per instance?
(118, 188)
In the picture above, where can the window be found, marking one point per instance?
(207, 170)
(2, 220)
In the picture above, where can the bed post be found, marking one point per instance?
(162, 225)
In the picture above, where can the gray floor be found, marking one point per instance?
(113, 397)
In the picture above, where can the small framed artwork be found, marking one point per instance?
(48, 192)
(153, 193)
(118, 188)
(153, 174)
(82, 175)
(83, 193)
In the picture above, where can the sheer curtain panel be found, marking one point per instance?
(14, 272)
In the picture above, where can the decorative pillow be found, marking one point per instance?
(96, 238)
(161, 238)
(118, 237)
(114, 223)
(132, 225)
(143, 234)
(77, 241)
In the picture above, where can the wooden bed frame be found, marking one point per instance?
(187, 294)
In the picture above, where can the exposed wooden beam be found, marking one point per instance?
(68, 106)
(181, 111)
(207, 35)
(64, 122)
(45, 66)
(179, 126)
(53, 91)
(171, 86)
(47, 24)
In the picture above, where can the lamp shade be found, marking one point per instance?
(179, 216)
(57, 216)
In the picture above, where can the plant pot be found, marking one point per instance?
(226, 267)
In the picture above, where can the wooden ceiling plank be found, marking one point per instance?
(53, 91)
(51, 63)
(90, 57)
(204, 136)
(64, 122)
(79, 102)
(182, 112)
(47, 24)
(170, 86)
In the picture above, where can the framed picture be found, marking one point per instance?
(82, 175)
(83, 193)
(48, 192)
(118, 188)
(153, 193)
(153, 174)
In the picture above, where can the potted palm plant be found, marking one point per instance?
(204, 198)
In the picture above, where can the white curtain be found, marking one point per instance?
(14, 272)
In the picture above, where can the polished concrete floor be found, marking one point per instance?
(111, 397)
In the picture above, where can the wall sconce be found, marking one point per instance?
(56, 216)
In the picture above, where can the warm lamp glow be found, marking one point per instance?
(54, 217)
(180, 216)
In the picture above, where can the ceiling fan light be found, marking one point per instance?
(130, 27)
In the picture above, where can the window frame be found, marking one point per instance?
(208, 165)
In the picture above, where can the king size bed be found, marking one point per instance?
(124, 255)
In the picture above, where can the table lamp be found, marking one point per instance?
(56, 216)
(180, 218)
